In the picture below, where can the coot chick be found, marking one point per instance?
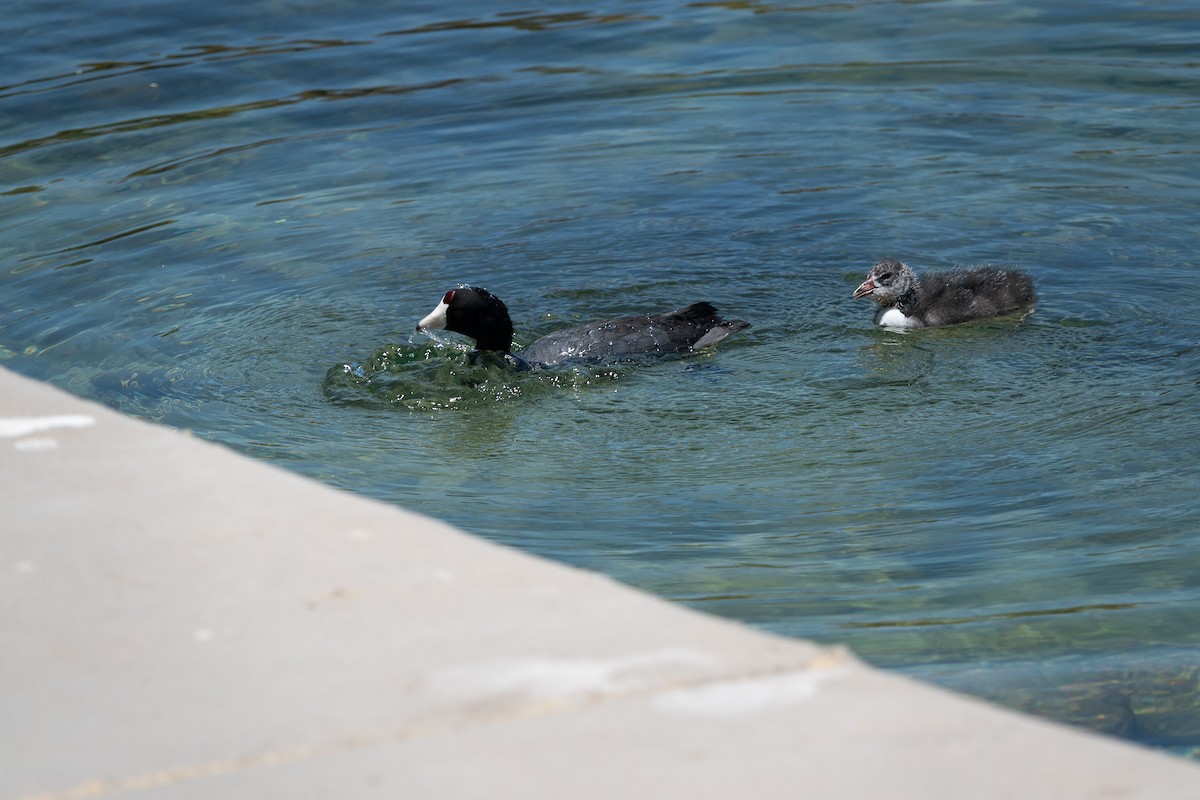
(943, 298)
(482, 316)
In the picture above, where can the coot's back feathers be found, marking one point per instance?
(944, 298)
(480, 315)
(691, 328)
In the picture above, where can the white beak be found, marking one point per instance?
(436, 320)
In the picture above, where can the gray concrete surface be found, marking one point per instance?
(183, 622)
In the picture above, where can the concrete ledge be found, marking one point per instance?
(185, 622)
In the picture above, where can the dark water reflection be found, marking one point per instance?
(210, 216)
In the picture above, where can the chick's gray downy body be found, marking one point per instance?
(943, 298)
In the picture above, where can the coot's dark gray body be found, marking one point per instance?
(477, 313)
(943, 298)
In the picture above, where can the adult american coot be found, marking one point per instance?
(482, 316)
(943, 298)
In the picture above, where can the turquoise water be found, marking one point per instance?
(207, 213)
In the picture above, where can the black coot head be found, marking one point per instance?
(473, 312)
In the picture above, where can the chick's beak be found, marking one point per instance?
(865, 288)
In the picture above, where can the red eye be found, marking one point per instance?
(449, 296)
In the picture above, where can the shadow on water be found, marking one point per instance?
(1148, 696)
